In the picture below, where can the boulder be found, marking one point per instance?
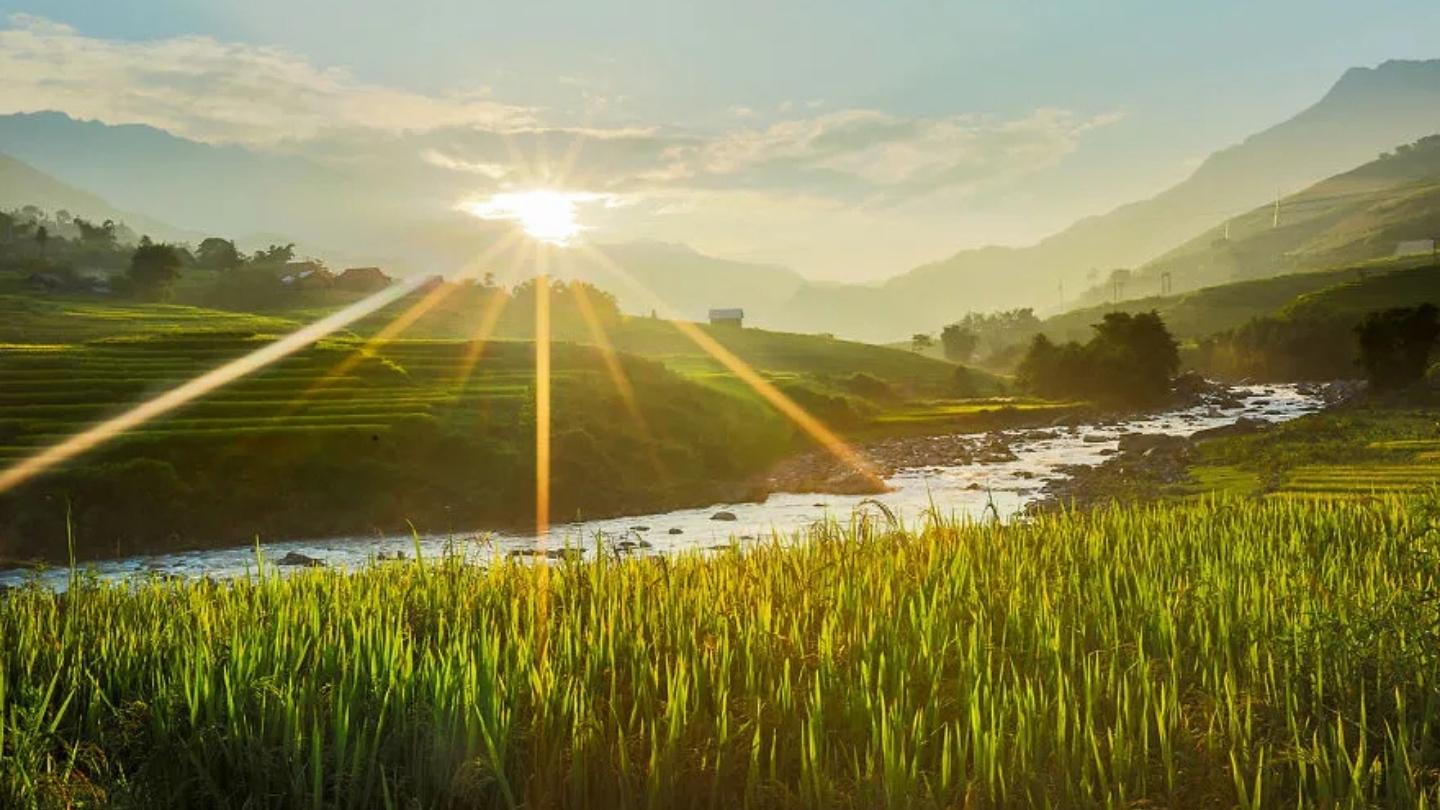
(1149, 442)
(676, 530)
(723, 515)
(1243, 426)
(297, 559)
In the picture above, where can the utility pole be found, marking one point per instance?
(1275, 223)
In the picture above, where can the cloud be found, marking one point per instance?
(208, 90)
(870, 154)
(811, 168)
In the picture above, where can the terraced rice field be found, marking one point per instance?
(49, 391)
(1330, 460)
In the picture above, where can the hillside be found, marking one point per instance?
(1313, 336)
(22, 185)
(689, 282)
(1203, 312)
(1361, 215)
(1368, 111)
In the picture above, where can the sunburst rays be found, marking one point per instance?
(162, 404)
(537, 257)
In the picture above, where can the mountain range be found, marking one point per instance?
(346, 210)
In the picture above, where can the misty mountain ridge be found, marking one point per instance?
(354, 212)
(1369, 110)
(22, 185)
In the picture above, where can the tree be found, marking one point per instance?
(101, 236)
(154, 268)
(1395, 345)
(215, 253)
(42, 238)
(921, 341)
(276, 254)
(1130, 360)
(959, 343)
(1133, 357)
(997, 333)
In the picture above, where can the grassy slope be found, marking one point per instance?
(1232, 653)
(1203, 312)
(1357, 216)
(1355, 452)
(1192, 315)
(403, 433)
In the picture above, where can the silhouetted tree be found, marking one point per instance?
(215, 253)
(1133, 357)
(154, 268)
(276, 254)
(100, 236)
(42, 238)
(1395, 345)
(921, 341)
(1130, 360)
(959, 343)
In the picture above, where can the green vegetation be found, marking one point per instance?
(336, 441)
(1129, 360)
(1354, 452)
(1395, 345)
(1313, 336)
(1200, 313)
(350, 437)
(1358, 216)
(1226, 653)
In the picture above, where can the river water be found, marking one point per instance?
(971, 489)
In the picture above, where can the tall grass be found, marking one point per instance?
(1214, 654)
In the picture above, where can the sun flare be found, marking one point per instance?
(545, 215)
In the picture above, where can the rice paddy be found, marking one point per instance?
(1357, 452)
(1225, 653)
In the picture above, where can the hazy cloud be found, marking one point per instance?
(208, 90)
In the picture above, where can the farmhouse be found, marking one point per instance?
(362, 279)
(727, 317)
(306, 275)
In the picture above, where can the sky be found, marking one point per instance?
(849, 141)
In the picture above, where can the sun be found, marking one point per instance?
(545, 215)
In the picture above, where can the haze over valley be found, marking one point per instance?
(679, 404)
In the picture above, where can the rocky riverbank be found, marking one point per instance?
(820, 471)
(1145, 465)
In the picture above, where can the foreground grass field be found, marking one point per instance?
(1222, 654)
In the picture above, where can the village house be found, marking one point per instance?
(306, 275)
(727, 317)
(362, 279)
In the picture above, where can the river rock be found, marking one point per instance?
(676, 530)
(1243, 426)
(723, 515)
(1147, 442)
(297, 559)
(549, 553)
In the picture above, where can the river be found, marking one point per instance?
(959, 490)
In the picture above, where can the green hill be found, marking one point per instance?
(1312, 336)
(1203, 312)
(356, 435)
(1366, 214)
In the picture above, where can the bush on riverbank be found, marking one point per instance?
(1229, 653)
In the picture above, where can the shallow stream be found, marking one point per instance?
(963, 489)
